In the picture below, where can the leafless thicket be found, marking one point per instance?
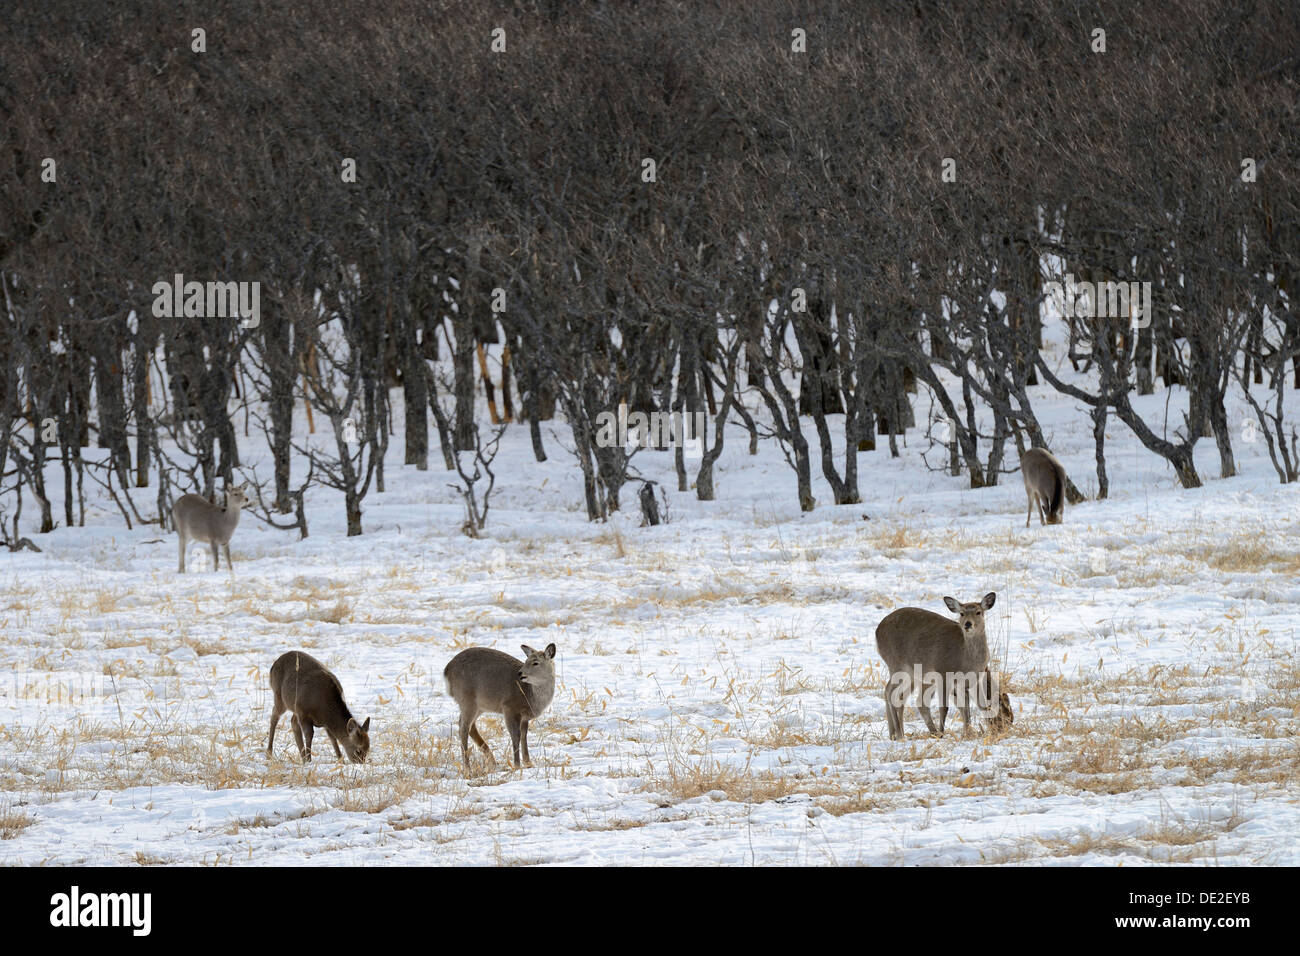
(797, 250)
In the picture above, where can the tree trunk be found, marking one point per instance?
(416, 402)
(1222, 437)
(112, 411)
(144, 427)
(1099, 438)
(282, 372)
(443, 424)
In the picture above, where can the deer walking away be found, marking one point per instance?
(1044, 484)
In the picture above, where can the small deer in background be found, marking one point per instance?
(1044, 484)
(307, 689)
(488, 681)
(930, 653)
(197, 519)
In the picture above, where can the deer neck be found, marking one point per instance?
(339, 721)
(975, 640)
(538, 695)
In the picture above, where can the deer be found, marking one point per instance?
(197, 519)
(931, 653)
(487, 681)
(312, 694)
(1044, 484)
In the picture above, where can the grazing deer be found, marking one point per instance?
(1045, 484)
(197, 519)
(307, 689)
(931, 653)
(487, 681)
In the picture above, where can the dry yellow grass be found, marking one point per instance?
(1170, 841)
(716, 590)
(14, 822)
(686, 779)
(335, 613)
(890, 540)
(1079, 729)
(859, 800)
(610, 824)
(1250, 552)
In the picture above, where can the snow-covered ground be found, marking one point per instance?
(719, 690)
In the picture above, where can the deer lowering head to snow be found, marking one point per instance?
(937, 656)
(1044, 484)
(487, 681)
(307, 689)
(197, 519)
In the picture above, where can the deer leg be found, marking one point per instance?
(180, 567)
(276, 710)
(1030, 513)
(984, 701)
(216, 563)
(893, 711)
(478, 739)
(512, 725)
(469, 729)
(923, 706)
(297, 736)
(466, 725)
(928, 717)
(523, 736)
(335, 741)
(229, 564)
(308, 730)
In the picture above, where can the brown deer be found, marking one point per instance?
(935, 655)
(197, 519)
(1044, 484)
(488, 681)
(307, 689)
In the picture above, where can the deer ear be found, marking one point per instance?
(550, 650)
(989, 600)
(352, 726)
(528, 651)
(952, 605)
(365, 728)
